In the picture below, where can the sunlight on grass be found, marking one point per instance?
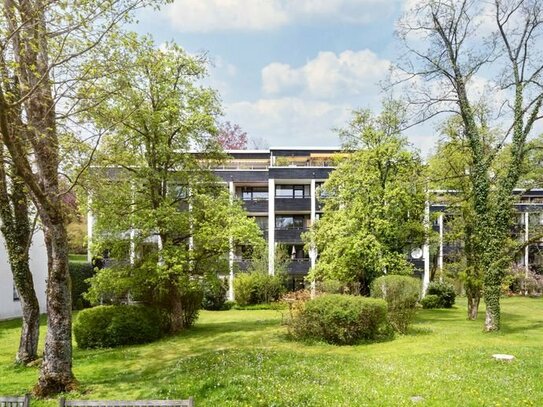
(244, 358)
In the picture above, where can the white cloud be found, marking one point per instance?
(351, 73)
(290, 120)
(221, 15)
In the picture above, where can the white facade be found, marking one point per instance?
(10, 306)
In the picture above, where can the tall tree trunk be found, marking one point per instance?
(29, 40)
(56, 372)
(492, 293)
(17, 232)
(175, 309)
(474, 298)
(30, 331)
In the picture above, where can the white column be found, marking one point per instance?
(271, 226)
(231, 297)
(313, 249)
(440, 255)
(526, 239)
(426, 249)
(90, 228)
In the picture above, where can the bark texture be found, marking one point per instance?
(29, 42)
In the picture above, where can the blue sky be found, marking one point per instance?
(289, 71)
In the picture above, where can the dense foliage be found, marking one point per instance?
(215, 290)
(401, 294)
(431, 301)
(162, 210)
(374, 203)
(116, 325)
(444, 291)
(79, 273)
(258, 288)
(340, 319)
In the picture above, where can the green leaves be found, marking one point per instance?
(374, 204)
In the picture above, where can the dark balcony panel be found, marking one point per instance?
(256, 206)
(292, 204)
(300, 267)
(242, 175)
(289, 235)
(300, 172)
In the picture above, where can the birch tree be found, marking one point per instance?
(451, 46)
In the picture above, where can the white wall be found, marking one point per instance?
(38, 266)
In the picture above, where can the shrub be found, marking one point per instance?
(401, 294)
(430, 301)
(330, 286)
(79, 273)
(192, 296)
(257, 288)
(215, 291)
(116, 325)
(340, 319)
(444, 291)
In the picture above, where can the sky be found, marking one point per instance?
(289, 72)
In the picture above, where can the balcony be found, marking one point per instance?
(256, 205)
(291, 235)
(293, 204)
(299, 266)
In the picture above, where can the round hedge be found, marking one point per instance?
(431, 301)
(444, 291)
(340, 319)
(116, 325)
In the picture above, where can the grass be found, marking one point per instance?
(243, 358)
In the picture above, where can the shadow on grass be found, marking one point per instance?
(418, 331)
(516, 323)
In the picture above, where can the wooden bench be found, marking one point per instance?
(123, 403)
(15, 401)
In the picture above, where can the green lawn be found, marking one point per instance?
(243, 358)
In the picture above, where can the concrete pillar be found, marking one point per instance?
(90, 229)
(231, 296)
(426, 249)
(313, 249)
(271, 226)
(440, 254)
(526, 239)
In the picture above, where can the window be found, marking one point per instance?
(292, 191)
(15, 294)
(291, 222)
(253, 193)
(262, 222)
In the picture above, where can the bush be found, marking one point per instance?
(215, 291)
(340, 319)
(430, 301)
(192, 296)
(116, 325)
(444, 291)
(257, 288)
(79, 273)
(401, 294)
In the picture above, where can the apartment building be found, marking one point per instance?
(527, 228)
(279, 189)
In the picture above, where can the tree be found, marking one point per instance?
(42, 46)
(151, 187)
(445, 53)
(232, 137)
(449, 169)
(373, 203)
(17, 232)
